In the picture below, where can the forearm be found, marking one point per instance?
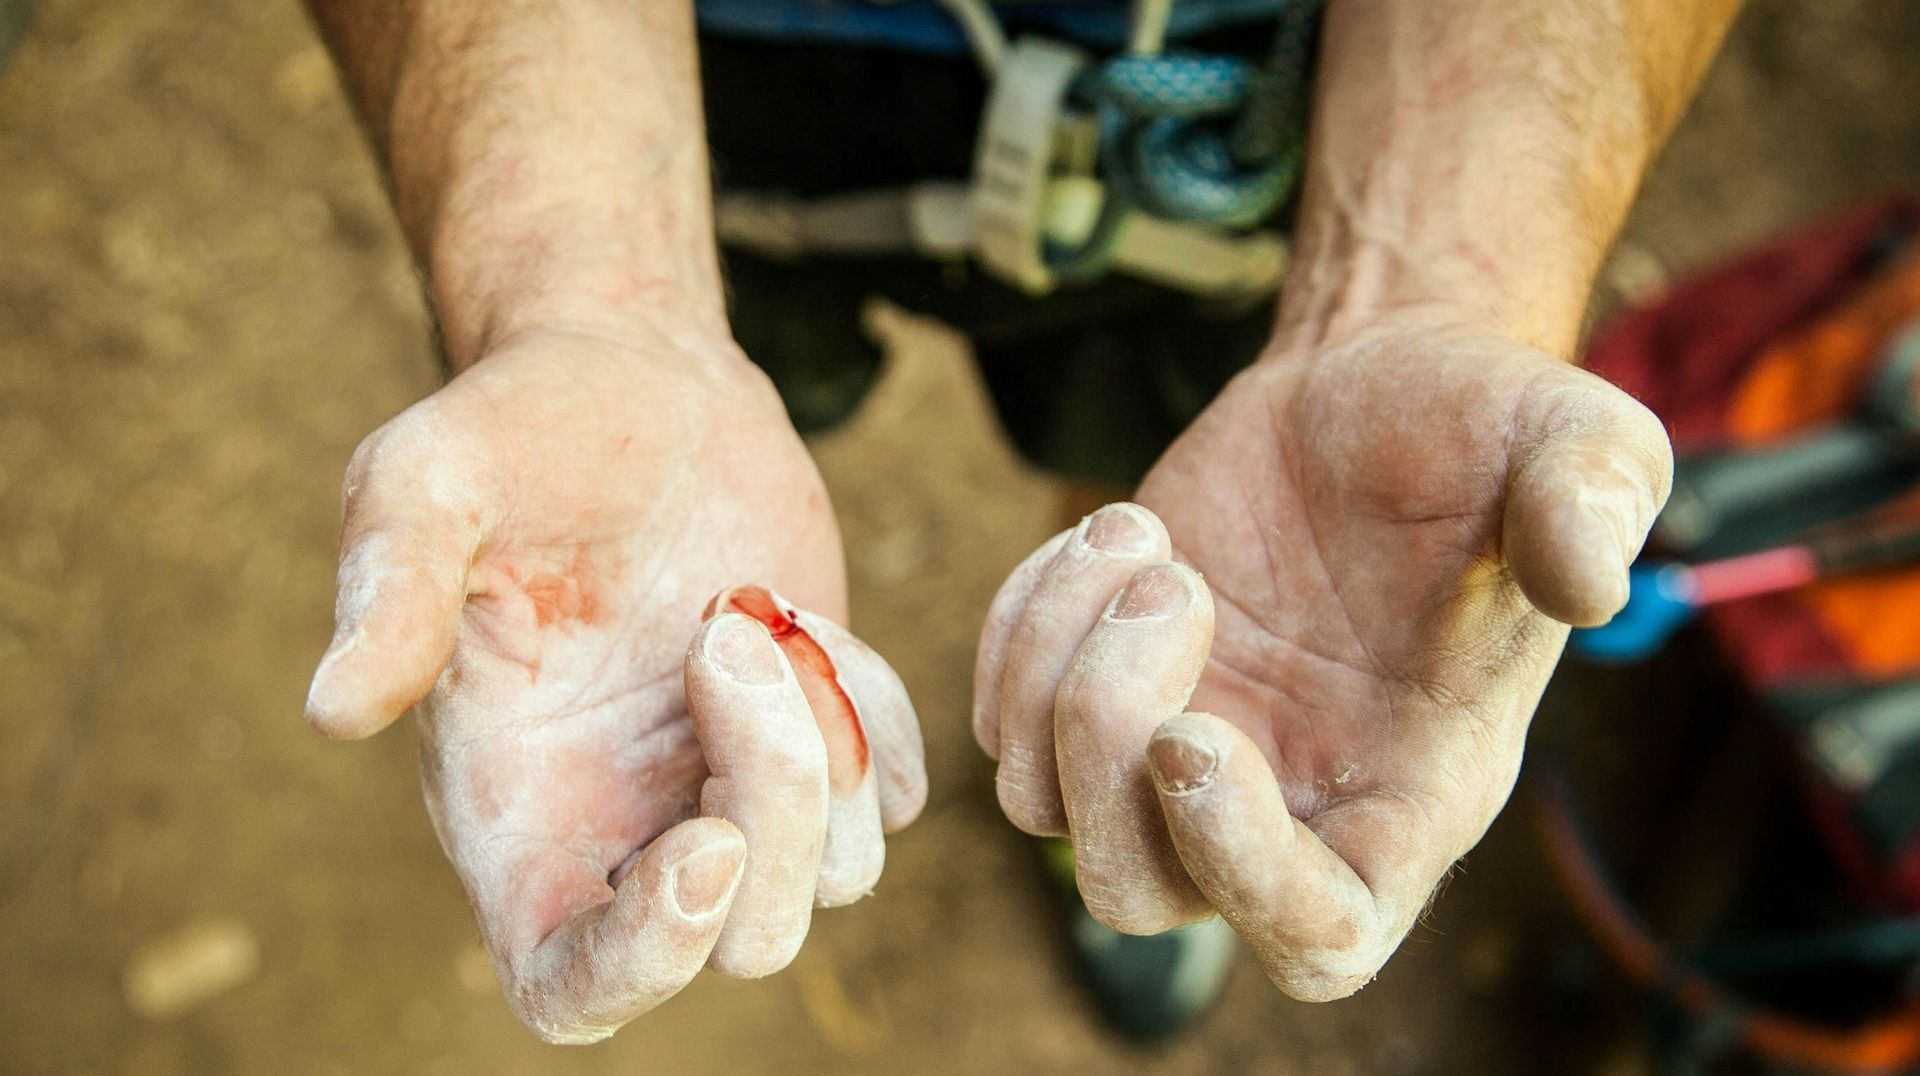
(547, 159)
(1473, 159)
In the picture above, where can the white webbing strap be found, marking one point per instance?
(1013, 162)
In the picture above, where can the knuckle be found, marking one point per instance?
(371, 458)
(1093, 690)
(364, 453)
(1653, 451)
(359, 470)
(1639, 419)
(409, 432)
(420, 449)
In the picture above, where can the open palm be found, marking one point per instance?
(527, 555)
(1393, 535)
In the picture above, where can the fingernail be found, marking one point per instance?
(1120, 529)
(742, 649)
(1181, 764)
(704, 880)
(1611, 518)
(1154, 593)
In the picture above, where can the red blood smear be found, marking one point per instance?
(557, 599)
(832, 707)
(563, 597)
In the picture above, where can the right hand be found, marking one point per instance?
(526, 554)
(1395, 531)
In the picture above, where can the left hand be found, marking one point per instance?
(526, 555)
(1396, 529)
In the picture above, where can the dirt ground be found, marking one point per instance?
(204, 305)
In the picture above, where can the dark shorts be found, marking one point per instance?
(1091, 382)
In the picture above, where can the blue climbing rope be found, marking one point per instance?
(1193, 137)
(1165, 143)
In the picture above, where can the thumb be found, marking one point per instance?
(1593, 468)
(402, 582)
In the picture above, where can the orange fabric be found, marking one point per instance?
(1875, 618)
(1813, 376)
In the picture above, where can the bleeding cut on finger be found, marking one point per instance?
(855, 850)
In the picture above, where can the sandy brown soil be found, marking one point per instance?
(204, 305)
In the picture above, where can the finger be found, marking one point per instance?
(886, 714)
(990, 666)
(768, 771)
(1595, 469)
(856, 849)
(1137, 669)
(612, 962)
(1072, 592)
(405, 550)
(1320, 929)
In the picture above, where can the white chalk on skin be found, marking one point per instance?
(181, 971)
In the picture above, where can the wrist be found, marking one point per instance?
(594, 260)
(1472, 161)
(662, 363)
(625, 378)
(1349, 275)
(584, 292)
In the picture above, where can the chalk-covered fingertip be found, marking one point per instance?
(702, 884)
(740, 647)
(1182, 762)
(1121, 529)
(336, 705)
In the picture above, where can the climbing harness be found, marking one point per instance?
(1162, 165)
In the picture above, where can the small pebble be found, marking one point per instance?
(181, 971)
